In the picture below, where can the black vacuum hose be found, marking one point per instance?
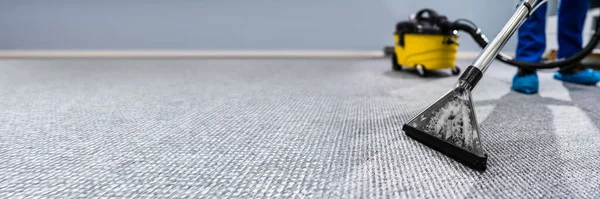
(481, 39)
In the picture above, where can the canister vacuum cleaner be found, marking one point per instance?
(449, 125)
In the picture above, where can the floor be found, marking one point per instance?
(281, 128)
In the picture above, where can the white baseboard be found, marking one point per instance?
(205, 54)
(191, 54)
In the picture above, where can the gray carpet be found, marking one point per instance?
(279, 129)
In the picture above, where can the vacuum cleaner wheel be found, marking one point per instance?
(395, 65)
(455, 70)
(421, 70)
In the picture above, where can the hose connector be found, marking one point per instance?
(472, 75)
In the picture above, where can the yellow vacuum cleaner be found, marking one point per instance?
(424, 43)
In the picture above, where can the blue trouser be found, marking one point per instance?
(532, 34)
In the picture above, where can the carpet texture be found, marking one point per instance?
(279, 129)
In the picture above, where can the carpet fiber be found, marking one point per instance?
(279, 129)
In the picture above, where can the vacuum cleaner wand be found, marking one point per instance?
(449, 125)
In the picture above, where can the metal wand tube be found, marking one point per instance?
(488, 54)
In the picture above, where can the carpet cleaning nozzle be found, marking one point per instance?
(449, 125)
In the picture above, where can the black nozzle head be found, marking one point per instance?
(465, 157)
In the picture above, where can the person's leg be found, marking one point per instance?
(531, 45)
(571, 18)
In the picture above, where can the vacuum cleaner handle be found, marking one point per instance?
(432, 16)
(435, 19)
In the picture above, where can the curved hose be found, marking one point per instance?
(482, 40)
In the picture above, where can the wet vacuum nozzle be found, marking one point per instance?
(449, 125)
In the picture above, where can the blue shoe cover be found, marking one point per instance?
(586, 77)
(528, 84)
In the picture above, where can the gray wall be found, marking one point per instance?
(227, 24)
